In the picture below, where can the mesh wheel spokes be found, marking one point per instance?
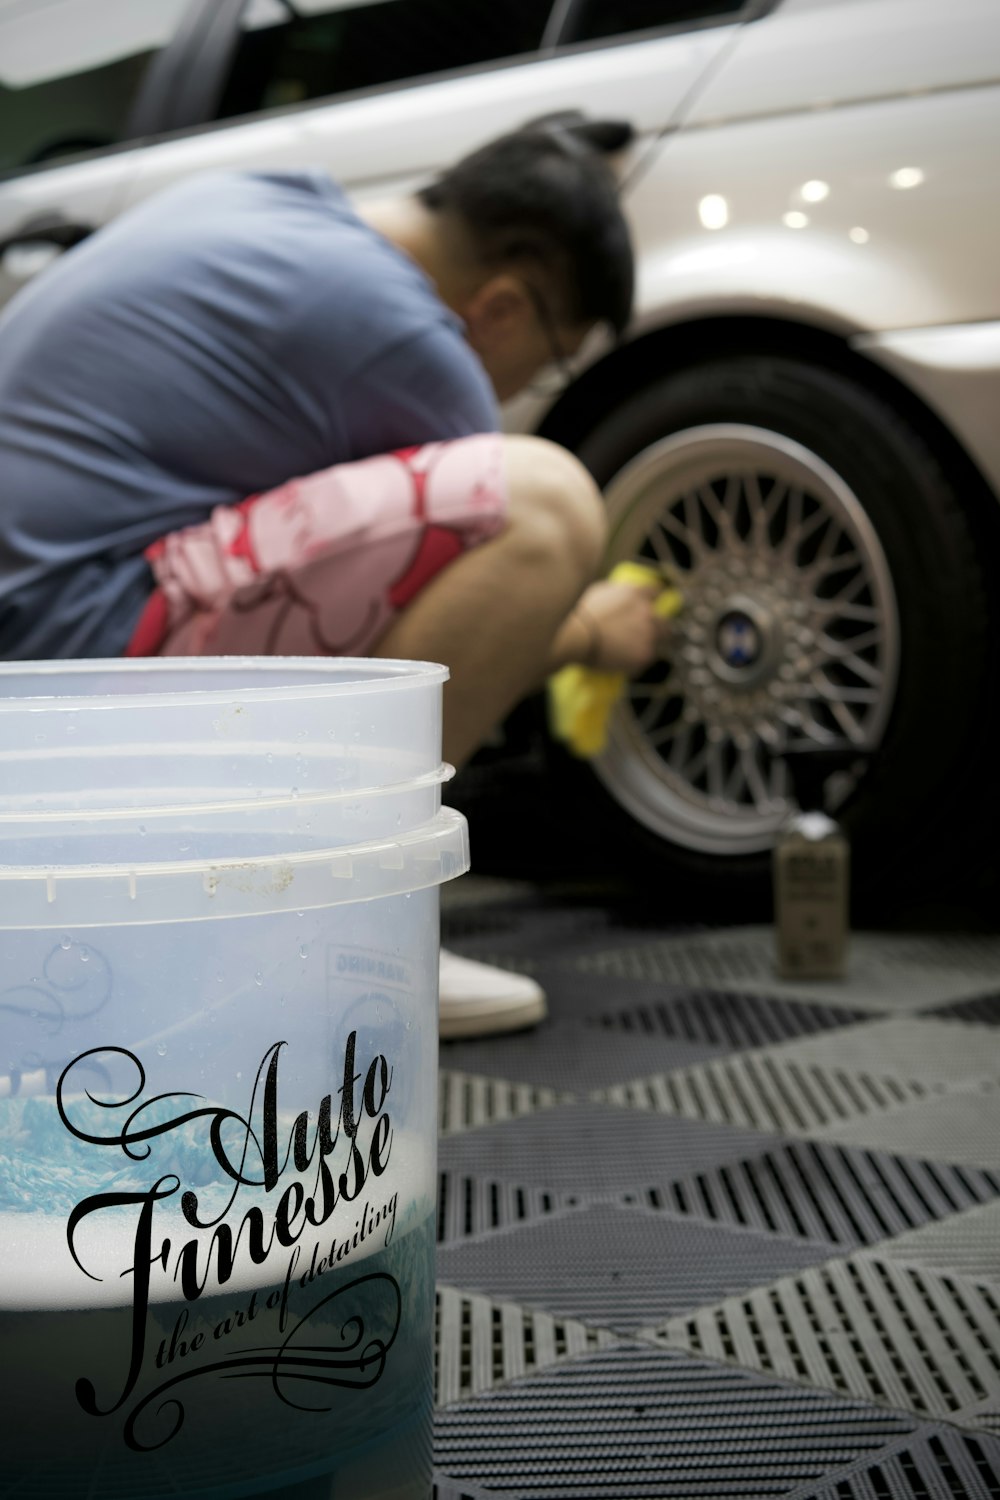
(788, 633)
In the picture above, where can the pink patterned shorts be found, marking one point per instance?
(322, 565)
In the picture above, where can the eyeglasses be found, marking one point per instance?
(561, 360)
(555, 380)
(564, 367)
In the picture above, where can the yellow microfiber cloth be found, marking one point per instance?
(581, 698)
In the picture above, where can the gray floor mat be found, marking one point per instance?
(706, 1234)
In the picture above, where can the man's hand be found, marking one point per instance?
(616, 627)
(626, 634)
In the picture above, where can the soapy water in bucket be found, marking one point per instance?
(259, 1363)
(248, 1391)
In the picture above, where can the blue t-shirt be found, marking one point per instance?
(227, 335)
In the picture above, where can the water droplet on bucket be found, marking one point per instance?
(239, 1075)
(142, 829)
(65, 942)
(161, 1049)
(303, 951)
(258, 978)
(84, 955)
(218, 977)
(295, 791)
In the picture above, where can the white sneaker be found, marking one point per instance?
(478, 1000)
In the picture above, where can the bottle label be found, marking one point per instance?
(811, 910)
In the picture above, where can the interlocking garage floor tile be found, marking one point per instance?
(732, 1020)
(466, 1102)
(705, 1234)
(633, 1422)
(902, 1336)
(616, 1269)
(936, 1462)
(963, 1126)
(481, 1343)
(966, 1244)
(476, 1205)
(567, 1056)
(887, 972)
(822, 1191)
(766, 1091)
(984, 1009)
(586, 1148)
(916, 1049)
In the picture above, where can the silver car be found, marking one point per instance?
(804, 421)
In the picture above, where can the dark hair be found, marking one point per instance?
(545, 195)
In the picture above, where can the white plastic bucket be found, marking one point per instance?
(218, 1047)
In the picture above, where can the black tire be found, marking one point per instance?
(915, 797)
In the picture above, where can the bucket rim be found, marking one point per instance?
(47, 897)
(301, 801)
(368, 675)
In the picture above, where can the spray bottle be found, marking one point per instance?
(811, 868)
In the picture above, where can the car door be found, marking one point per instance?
(383, 92)
(72, 77)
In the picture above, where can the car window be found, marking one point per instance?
(70, 71)
(595, 19)
(289, 54)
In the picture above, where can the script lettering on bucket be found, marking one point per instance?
(275, 1180)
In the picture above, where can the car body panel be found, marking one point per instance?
(825, 54)
(956, 371)
(89, 193)
(390, 140)
(869, 256)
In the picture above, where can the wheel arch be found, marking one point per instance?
(668, 349)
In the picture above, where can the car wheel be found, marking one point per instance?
(832, 595)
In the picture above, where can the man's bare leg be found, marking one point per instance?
(492, 615)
